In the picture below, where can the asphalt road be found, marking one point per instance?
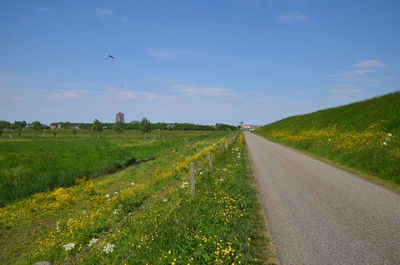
(318, 214)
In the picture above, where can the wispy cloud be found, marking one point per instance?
(292, 17)
(192, 90)
(167, 53)
(103, 13)
(344, 91)
(348, 81)
(43, 9)
(370, 64)
(163, 79)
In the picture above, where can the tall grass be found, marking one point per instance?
(364, 135)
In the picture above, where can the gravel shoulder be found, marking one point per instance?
(319, 214)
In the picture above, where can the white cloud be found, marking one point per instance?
(103, 13)
(370, 64)
(43, 9)
(163, 79)
(344, 90)
(363, 73)
(167, 53)
(191, 90)
(289, 17)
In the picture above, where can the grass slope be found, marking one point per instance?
(364, 135)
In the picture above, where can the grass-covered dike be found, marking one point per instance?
(364, 136)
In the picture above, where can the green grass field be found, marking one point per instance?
(36, 163)
(364, 135)
(144, 214)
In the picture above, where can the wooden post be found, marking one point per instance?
(192, 180)
(210, 161)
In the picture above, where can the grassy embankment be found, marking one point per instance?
(30, 165)
(364, 136)
(144, 214)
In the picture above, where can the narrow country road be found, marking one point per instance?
(321, 215)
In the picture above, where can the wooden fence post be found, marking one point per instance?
(192, 180)
(210, 161)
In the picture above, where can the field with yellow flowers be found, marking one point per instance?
(145, 214)
(364, 136)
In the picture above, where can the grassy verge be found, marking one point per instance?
(39, 165)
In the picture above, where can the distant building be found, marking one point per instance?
(120, 117)
(247, 127)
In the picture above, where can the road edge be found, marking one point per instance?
(270, 253)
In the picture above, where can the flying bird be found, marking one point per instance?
(110, 57)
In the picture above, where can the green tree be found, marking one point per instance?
(145, 126)
(36, 125)
(118, 127)
(97, 127)
(18, 125)
(5, 124)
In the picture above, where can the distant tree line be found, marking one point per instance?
(97, 126)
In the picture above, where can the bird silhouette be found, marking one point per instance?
(110, 57)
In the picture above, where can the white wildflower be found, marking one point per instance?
(384, 143)
(221, 179)
(164, 200)
(389, 134)
(329, 139)
(93, 241)
(116, 211)
(108, 248)
(132, 184)
(58, 227)
(69, 246)
(107, 196)
(224, 169)
(115, 193)
(184, 184)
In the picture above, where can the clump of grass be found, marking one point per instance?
(364, 135)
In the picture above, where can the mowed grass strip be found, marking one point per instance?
(38, 165)
(222, 224)
(364, 136)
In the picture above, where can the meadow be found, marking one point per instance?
(35, 162)
(144, 214)
(364, 136)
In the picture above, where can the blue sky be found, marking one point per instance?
(204, 62)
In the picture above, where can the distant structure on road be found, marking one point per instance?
(120, 117)
(247, 127)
